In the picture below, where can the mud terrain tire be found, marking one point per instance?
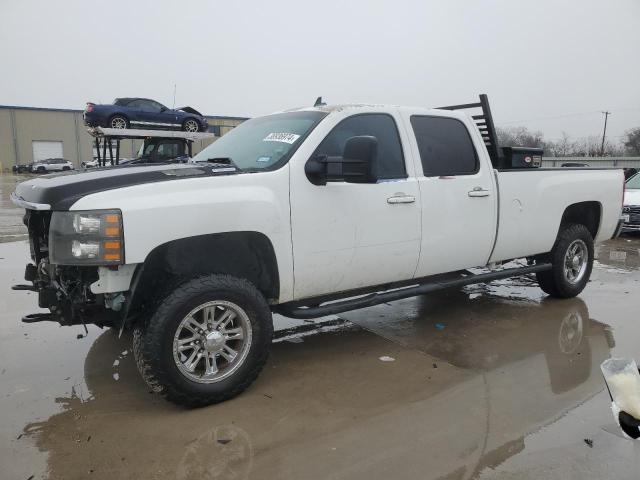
(153, 341)
(570, 273)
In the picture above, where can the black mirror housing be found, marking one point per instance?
(356, 165)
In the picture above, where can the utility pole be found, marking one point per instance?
(175, 87)
(604, 132)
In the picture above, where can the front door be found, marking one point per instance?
(347, 235)
(459, 200)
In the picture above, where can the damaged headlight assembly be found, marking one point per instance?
(92, 237)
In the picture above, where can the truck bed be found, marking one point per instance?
(531, 203)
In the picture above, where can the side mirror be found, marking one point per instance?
(163, 109)
(356, 165)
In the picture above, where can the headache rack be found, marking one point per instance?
(486, 127)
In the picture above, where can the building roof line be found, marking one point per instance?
(71, 110)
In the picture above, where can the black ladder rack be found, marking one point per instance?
(485, 125)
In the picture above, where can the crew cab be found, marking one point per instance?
(305, 213)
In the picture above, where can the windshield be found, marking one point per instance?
(634, 182)
(263, 142)
(145, 149)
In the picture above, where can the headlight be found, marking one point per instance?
(86, 238)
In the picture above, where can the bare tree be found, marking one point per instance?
(632, 141)
(519, 137)
(589, 146)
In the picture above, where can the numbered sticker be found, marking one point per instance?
(281, 137)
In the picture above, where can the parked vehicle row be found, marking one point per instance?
(143, 113)
(44, 166)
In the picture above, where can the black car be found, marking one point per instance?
(143, 113)
(26, 168)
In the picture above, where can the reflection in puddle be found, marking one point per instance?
(223, 452)
(621, 254)
(364, 395)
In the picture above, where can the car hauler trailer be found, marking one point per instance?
(105, 138)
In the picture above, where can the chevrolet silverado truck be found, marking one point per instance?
(305, 213)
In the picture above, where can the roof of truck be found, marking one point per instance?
(356, 106)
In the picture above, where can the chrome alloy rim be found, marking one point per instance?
(191, 126)
(575, 261)
(212, 341)
(118, 122)
(571, 333)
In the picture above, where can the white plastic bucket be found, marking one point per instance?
(623, 380)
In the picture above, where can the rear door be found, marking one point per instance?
(348, 235)
(457, 191)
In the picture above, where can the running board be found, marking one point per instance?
(372, 299)
(39, 317)
(31, 288)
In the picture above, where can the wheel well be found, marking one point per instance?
(117, 114)
(585, 213)
(247, 255)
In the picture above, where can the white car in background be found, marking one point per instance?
(51, 165)
(631, 205)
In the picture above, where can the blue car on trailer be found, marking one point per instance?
(143, 113)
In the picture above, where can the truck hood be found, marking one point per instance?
(632, 197)
(60, 191)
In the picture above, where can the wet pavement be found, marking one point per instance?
(11, 226)
(492, 382)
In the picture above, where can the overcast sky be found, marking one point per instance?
(550, 65)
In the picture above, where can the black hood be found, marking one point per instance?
(62, 190)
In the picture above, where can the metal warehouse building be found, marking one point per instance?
(29, 134)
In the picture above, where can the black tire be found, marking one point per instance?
(190, 121)
(118, 119)
(153, 341)
(554, 282)
(64, 169)
(41, 169)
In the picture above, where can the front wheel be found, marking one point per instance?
(572, 262)
(206, 342)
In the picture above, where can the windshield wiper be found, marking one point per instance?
(222, 161)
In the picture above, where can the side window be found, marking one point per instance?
(144, 105)
(390, 160)
(445, 146)
(154, 106)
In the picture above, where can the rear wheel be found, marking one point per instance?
(206, 342)
(190, 125)
(572, 262)
(118, 121)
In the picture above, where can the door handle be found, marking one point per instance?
(479, 192)
(401, 199)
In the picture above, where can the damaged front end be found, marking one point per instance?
(67, 278)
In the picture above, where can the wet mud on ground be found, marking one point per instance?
(491, 382)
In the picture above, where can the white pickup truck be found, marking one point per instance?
(306, 213)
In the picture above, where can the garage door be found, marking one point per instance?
(46, 149)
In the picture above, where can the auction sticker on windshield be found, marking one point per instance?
(281, 137)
